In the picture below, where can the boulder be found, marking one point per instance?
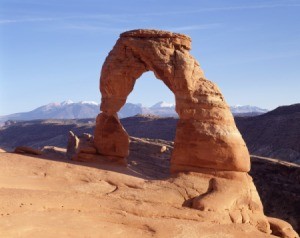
(54, 152)
(27, 150)
(72, 146)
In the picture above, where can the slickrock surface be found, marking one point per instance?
(206, 135)
(46, 198)
(50, 196)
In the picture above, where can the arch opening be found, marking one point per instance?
(152, 132)
(151, 97)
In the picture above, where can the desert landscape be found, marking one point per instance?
(165, 119)
(192, 182)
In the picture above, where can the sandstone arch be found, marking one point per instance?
(206, 135)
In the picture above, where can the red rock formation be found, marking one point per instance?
(281, 228)
(72, 146)
(206, 135)
(27, 150)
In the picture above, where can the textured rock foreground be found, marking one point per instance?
(50, 196)
(47, 198)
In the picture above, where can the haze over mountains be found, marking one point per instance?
(90, 109)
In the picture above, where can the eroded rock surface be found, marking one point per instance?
(72, 146)
(281, 228)
(206, 135)
(27, 150)
(207, 140)
(58, 198)
(55, 196)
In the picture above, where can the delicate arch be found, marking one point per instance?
(206, 135)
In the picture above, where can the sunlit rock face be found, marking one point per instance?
(206, 136)
(207, 140)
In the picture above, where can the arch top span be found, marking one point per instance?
(206, 134)
(177, 38)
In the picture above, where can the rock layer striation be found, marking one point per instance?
(206, 135)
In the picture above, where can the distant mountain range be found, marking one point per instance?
(89, 109)
(247, 109)
(275, 134)
(63, 110)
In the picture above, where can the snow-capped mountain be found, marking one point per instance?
(163, 109)
(90, 109)
(65, 103)
(130, 109)
(163, 105)
(247, 109)
(89, 103)
(64, 110)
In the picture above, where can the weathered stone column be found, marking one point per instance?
(206, 136)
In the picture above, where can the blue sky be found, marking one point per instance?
(51, 51)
